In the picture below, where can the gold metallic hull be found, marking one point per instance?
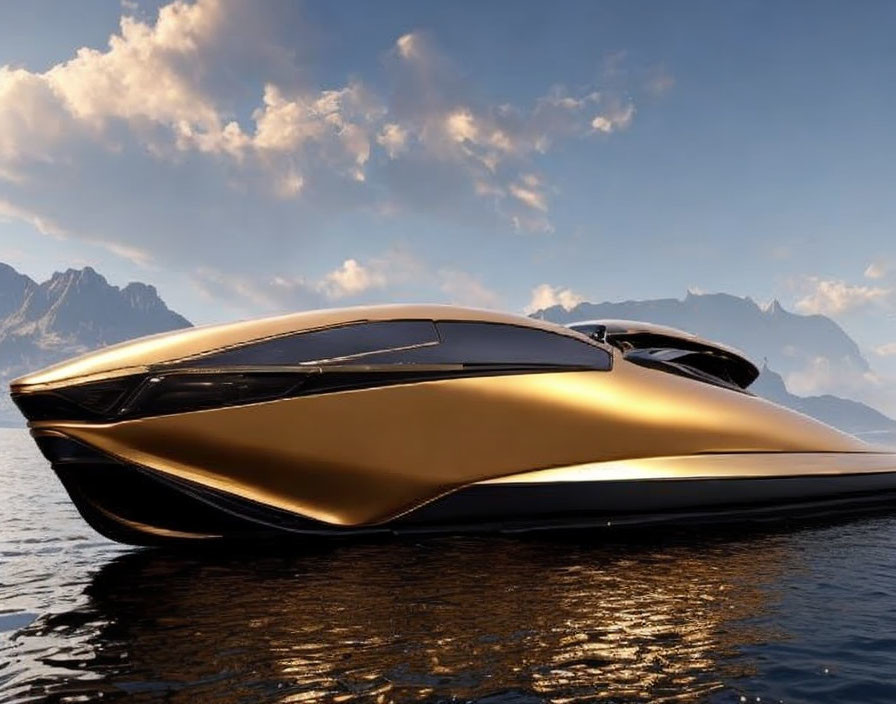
(511, 450)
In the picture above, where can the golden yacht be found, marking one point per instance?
(424, 418)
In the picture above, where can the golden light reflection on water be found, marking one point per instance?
(389, 622)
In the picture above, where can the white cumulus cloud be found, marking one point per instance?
(352, 278)
(830, 297)
(547, 296)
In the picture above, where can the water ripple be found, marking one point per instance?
(792, 615)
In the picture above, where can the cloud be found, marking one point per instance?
(529, 192)
(199, 141)
(283, 292)
(352, 282)
(408, 46)
(335, 123)
(248, 294)
(8, 211)
(46, 226)
(887, 350)
(617, 117)
(393, 138)
(877, 269)
(547, 296)
(351, 279)
(158, 85)
(831, 297)
(823, 375)
(493, 146)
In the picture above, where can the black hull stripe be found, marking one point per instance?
(478, 508)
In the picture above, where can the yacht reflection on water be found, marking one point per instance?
(476, 619)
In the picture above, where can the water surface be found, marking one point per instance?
(793, 613)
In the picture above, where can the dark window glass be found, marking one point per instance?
(496, 343)
(77, 402)
(326, 344)
(179, 393)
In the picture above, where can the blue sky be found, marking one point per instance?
(254, 157)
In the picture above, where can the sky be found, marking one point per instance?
(256, 157)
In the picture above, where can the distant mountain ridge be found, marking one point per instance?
(851, 416)
(787, 341)
(773, 337)
(71, 313)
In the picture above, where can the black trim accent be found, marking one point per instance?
(680, 355)
(690, 365)
(92, 401)
(186, 390)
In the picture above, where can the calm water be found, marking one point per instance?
(783, 614)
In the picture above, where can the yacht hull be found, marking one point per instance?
(141, 506)
(426, 419)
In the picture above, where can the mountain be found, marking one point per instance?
(788, 342)
(772, 336)
(851, 416)
(71, 313)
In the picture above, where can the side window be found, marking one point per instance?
(489, 343)
(495, 343)
(345, 341)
